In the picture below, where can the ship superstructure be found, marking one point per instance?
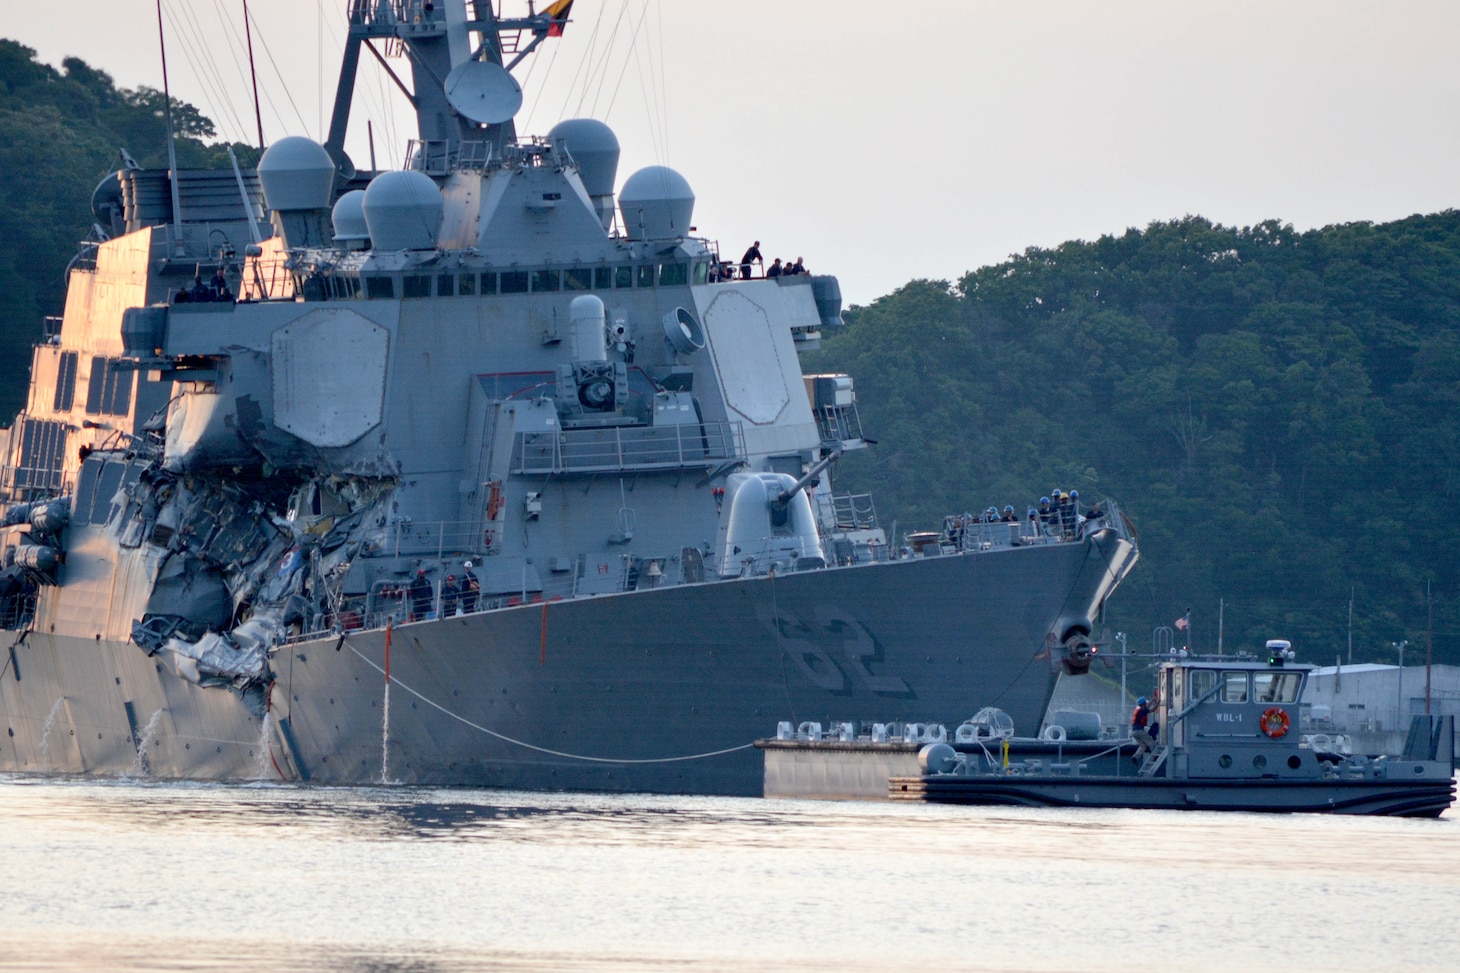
(493, 437)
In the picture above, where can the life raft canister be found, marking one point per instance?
(1274, 722)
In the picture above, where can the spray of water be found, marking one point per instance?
(44, 747)
(385, 738)
(145, 741)
(261, 750)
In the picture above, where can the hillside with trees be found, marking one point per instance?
(60, 134)
(1278, 413)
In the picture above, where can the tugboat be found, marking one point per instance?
(1223, 738)
(497, 435)
(1226, 741)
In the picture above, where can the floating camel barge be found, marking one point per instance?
(1226, 742)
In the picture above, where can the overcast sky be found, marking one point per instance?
(886, 142)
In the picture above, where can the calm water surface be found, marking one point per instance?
(133, 876)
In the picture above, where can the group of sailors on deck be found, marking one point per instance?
(725, 270)
(1058, 515)
(199, 293)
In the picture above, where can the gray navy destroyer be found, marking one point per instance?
(485, 472)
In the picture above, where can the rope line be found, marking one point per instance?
(531, 746)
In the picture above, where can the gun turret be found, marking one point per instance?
(784, 497)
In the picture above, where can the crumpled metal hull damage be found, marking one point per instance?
(238, 568)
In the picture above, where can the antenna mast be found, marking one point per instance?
(171, 142)
(253, 74)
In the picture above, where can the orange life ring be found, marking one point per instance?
(1274, 722)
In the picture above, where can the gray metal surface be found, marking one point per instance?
(273, 452)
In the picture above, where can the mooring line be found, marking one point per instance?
(531, 746)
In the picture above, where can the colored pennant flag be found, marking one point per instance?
(559, 14)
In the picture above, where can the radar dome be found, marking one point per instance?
(348, 216)
(403, 211)
(594, 147)
(657, 204)
(297, 174)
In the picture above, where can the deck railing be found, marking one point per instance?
(618, 448)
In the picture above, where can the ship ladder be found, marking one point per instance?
(1153, 761)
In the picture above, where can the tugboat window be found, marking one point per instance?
(1234, 687)
(1276, 687)
(1202, 681)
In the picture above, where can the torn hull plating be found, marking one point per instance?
(629, 692)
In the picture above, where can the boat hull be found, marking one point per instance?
(1404, 798)
(659, 691)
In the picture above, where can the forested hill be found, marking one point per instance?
(60, 132)
(1277, 412)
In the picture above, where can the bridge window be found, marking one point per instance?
(466, 285)
(66, 382)
(673, 275)
(623, 276)
(514, 282)
(446, 285)
(1234, 687)
(544, 280)
(489, 283)
(109, 392)
(379, 288)
(578, 279)
(646, 276)
(416, 285)
(602, 278)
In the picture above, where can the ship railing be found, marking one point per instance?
(622, 448)
(442, 156)
(969, 532)
(17, 611)
(269, 279)
(32, 483)
(376, 11)
(391, 602)
(425, 537)
(209, 243)
(854, 511)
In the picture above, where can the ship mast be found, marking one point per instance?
(439, 39)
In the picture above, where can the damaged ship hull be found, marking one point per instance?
(498, 380)
(654, 691)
